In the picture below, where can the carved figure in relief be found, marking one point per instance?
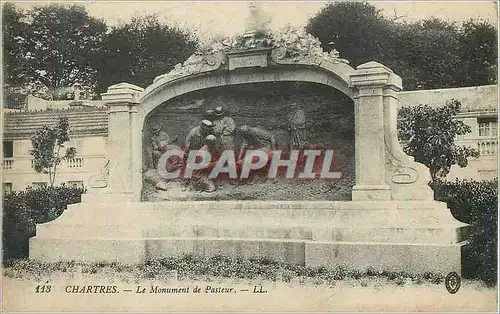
(195, 137)
(159, 142)
(199, 179)
(296, 126)
(209, 115)
(255, 138)
(224, 128)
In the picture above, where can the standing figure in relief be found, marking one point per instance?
(195, 140)
(255, 138)
(224, 128)
(296, 126)
(160, 142)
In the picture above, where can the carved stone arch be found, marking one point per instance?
(164, 88)
(383, 171)
(335, 76)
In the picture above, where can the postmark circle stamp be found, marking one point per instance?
(452, 282)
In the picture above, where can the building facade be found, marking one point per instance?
(89, 135)
(479, 111)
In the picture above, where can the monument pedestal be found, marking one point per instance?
(409, 236)
(392, 224)
(102, 198)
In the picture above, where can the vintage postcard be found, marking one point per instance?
(317, 156)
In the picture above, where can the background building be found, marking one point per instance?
(480, 111)
(89, 129)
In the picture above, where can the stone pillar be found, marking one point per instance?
(136, 152)
(122, 100)
(368, 83)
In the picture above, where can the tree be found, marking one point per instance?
(428, 51)
(427, 54)
(47, 144)
(65, 44)
(478, 51)
(429, 135)
(14, 36)
(139, 51)
(50, 47)
(14, 28)
(356, 29)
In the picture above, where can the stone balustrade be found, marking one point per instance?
(7, 163)
(75, 162)
(487, 147)
(26, 164)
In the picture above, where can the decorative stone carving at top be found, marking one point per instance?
(287, 46)
(294, 45)
(257, 20)
(203, 60)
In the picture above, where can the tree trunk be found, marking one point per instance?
(53, 179)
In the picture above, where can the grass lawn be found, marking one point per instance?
(287, 288)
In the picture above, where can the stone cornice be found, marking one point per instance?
(122, 93)
(375, 75)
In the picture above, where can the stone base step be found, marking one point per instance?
(410, 258)
(377, 213)
(326, 221)
(308, 233)
(174, 206)
(443, 234)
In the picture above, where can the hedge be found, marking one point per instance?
(24, 209)
(475, 203)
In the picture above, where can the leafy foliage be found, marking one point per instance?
(51, 46)
(141, 50)
(352, 28)
(22, 210)
(47, 144)
(475, 203)
(55, 46)
(14, 30)
(430, 58)
(427, 54)
(47, 203)
(429, 135)
(64, 42)
(479, 49)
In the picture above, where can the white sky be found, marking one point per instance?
(227, 17)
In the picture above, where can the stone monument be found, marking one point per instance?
(392, 223)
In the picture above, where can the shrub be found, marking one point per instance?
(430, 132)
(18, 226)
(22, 210)
(475, 203)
